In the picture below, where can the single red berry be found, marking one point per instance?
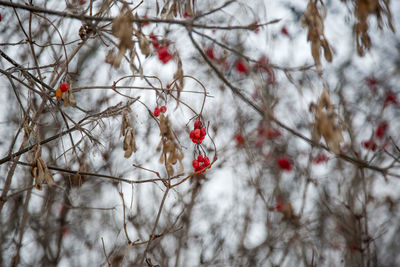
(197, 124)
(187, 15)
(284, 31)
(371, 82)
(390, 99)
(64, 86)
(200, 158)
(164, 55)
(199, 141)
(241, 66)
(197, 133)
(191, 135)
(203, 132)
(284, 164)
(382, 128)
(163, 109)
(156, 112)
(206, 161)
(195, 164)
(154, 41)
(239, 139)
(279, 207)
(210, 53)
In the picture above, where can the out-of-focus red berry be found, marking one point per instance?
(154, 40)
(163, 109)
(382, 128)
(241, 66)
(370, 144)
(239, 139)
(284, 31)
(320, 158)
(272, 133)
(164, 55)
(210, 53)
(390, 99)
(284, 163)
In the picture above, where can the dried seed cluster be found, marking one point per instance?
(39, 169)
(129, 143)
(313, 20)
(326, 123)
(364, 8)
(171, 152)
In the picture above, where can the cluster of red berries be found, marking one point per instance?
(370, 144)
(199, 133)
(161, 109)
(162, 50)
(62, 89)
(201, 163)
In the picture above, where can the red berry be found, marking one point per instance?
(390, 99)
(200, 158)
(241, 67)
(64, 87)
(279, 206)
(195, 164)
(197, 124)
(273, 133)
(380, 132)
(206, 161)
(321, 158)
(164, 55)
(284, 31)
(187, 15)
(156, 112)
(284, 164)
(239, 139)
(203, 132)
(163, 109)
(210, 53)
(371, 82)
(155, 41)
(197, 133)
(191, 135)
